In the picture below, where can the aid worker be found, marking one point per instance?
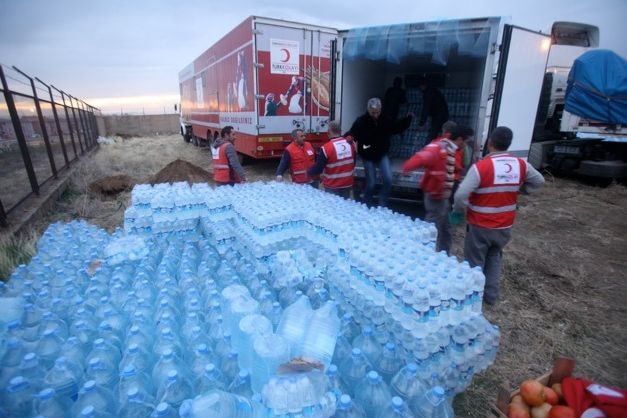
(298, 156)
(489, 195)
(227, 170)
(336, 162)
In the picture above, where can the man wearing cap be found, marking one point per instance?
(489, 195)
(298, 156)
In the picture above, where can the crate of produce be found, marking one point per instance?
(562, 367)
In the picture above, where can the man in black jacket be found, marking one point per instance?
(372, 132)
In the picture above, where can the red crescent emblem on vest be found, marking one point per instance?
(509, 166)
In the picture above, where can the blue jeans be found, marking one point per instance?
(370, 168)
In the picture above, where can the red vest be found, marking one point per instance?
(338, 173)
(301, 158)
(493, 204)
(222, 172)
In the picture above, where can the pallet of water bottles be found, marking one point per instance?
(272, 299)
(462, 105)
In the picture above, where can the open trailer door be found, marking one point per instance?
(522, 64)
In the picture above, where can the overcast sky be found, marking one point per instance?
(135, 48)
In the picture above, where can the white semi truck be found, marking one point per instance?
(582, 119)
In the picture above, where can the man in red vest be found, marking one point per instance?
(438, 160)
(336, 162)
(298, 156)
(489, 193)
(226, 167)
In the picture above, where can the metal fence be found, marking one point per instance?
(42, 131)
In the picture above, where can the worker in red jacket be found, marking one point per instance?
(226, 167)
(438, 161)
(298, 156)
(489, 195)
(336, 162)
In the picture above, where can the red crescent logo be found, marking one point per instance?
(343, 146)
(287, 55)
(509, 166)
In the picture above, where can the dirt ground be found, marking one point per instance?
(564, 282)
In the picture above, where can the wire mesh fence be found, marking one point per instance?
(42, 131)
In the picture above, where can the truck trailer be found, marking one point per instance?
(266, 77)
(489, 71)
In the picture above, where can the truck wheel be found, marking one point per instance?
(185, 136)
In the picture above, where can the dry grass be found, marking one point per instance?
(563, 284)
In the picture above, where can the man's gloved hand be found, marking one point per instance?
(455, 218)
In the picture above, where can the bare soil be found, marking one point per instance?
(180, 170)
(564, 279)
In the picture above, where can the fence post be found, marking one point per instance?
(3, 216)
(42, 123)
(69, 125)
(56, 121)
(19, 133)
(78, 129)
(82, 113)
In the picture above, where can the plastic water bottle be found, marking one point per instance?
(354, 369)
(96, 396)
(64, 377)
(319, 340)
(32, 370)
(104, 350)
(335, 382)
(368, 344)
(132, 378)
(166, 363)
(229, 366)
(138, 357)
(17, 397)
(49, 404)
(211, 378)
(343, 348)
(349, 327)
(91, 412)
(164, 410)
(74, 351)
(432, 404)
(241, 384)
(103, 372)
(346, 408)
(248, 328)
(373, 394)
(174, 390)
(202, 356)
(217, 404)
(407, 384)
(396, 409)
(11, 360)
(388, 362)
(269, 352)
(136, 403)
(294, 323)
